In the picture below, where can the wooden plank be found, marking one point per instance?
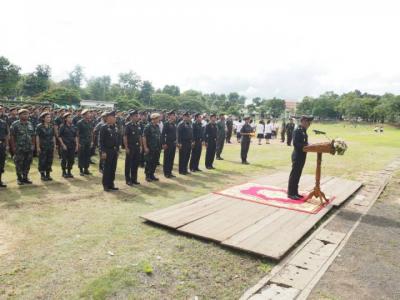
(275, 239)
(223, 224)
(341, 188)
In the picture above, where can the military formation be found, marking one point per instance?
(77, 135)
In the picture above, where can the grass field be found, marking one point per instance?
(68, 239)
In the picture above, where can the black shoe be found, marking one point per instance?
(219, 158)
(81, 173)
(86, 172)
(192, 170)
(113, 188)
(168, 176)
(136, 182)
(245, 163)
(92, 162)
(20, 181)
(130, 183)
(69, 174)
(148, 179)
(48, 176)
(198, 170)
(27, 181)
(154, 178)
(64, 174)
(293, 197)
(43, 176)
(107, 189)
(300, 196)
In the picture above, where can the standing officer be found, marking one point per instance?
(45, 145)
(4, 136)
(210, 138)
(133, 147)
(283, 131)
(229, 129)
(109, 147)
(143, 122)
(84, 132)
(152, 146)
(68, 139)
(168, 142)
(300, 139)
(289, 132)
(22, 143)
(198, 138)
(220, 136)
(245, 133)
(185, 136)
(96, 133)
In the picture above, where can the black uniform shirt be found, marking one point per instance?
(168, 135)
(109, 138)
(45, 135)
(133, 133)
(300, 139)
(198, 132)
(3, 130)
(211, 133)
(246, 128)
(84, 129)
(185, 132)
(68, 134)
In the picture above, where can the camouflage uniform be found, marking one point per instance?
(22, 134)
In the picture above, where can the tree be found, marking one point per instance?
(36, 82)
(62, 96)
(127, 104)
(9, 76)
(99, 88)
(76, 77)
(164, 101)
(129, 83)
(305, 107)
(146, 92)
(274, 107)
(172, 90)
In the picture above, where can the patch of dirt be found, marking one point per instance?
(7, 239)
(368, 266)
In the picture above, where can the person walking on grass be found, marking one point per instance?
(260, 131)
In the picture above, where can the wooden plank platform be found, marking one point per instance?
(253, 227)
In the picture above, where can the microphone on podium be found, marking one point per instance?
(318, 131)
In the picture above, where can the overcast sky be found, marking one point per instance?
(283, 48)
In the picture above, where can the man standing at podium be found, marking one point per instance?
(300, 139)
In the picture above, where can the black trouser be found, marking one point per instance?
(68, 157)
(298, 161)
(151, 159)
(228, 135)
(2, 156)
(220, 146)
(184, 156)
(210, 153)
(289, 136)
(282, 136)
(110, 165)
(244, 148)
(84, 156)
(132, 164)
(169, 157)
(195, 157)
(45, 159)
(142, 158)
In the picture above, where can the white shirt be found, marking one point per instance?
(239, 126)
(268, 128)
(260, 129)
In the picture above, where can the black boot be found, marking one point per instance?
(70, 174)
(26, 179)
(81, 172)
(86, 172)
(2, 185)
(20, 181)
(43, 176)
(48, 176)
(64, 173)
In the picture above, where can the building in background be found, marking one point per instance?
(94, 104)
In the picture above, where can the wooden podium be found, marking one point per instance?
(319, 148)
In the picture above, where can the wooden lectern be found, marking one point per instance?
(319, 148)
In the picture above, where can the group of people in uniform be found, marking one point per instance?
(41, 131)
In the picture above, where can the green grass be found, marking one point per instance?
(70, 240)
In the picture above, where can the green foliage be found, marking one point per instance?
(172, 90)
(99, 88)
(76, 77)
(146, 93)
(9, 76)
(36, 82)
(274, 107)
(127, 104)
(62, 96)
(164, 101)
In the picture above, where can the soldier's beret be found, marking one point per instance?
(66, 115)
(13, 108)
(84, 112)
(186, 113)
(213, 115)
(221, 115)
(133, 112)
(154, 116)
(307, 118)
(196, 115)
(43, 114)
(111, 113)
(246, 118)
(171, 112)
(103, 114)
(23, 110)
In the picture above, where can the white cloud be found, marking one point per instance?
(260, 48)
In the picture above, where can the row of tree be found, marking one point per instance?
(130, 91)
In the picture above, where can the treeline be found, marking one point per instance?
(131, 91)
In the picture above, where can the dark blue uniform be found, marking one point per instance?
(300, 139)
(198, 138)
(185, 136)
(133, 134)
(210, 138)
(168, 139)
(109, 144)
